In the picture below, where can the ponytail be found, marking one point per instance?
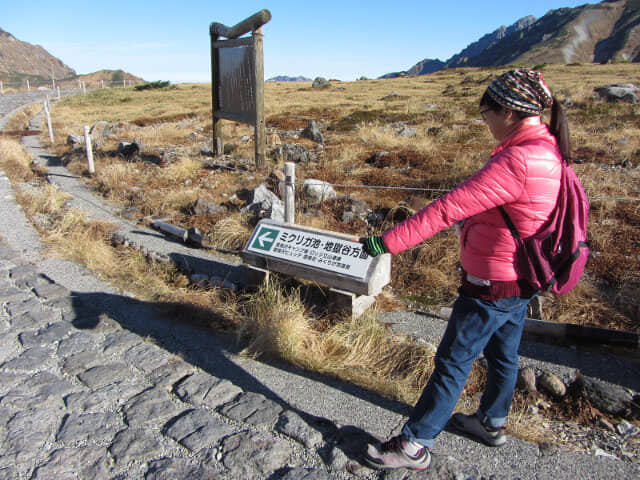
(560, 129)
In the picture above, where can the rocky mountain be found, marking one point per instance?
(602, 32)
(20, 61)
(22, 58)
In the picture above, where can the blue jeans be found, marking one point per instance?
(494, 327)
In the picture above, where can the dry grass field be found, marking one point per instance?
(358, 120)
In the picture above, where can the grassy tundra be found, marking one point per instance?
(358, 120)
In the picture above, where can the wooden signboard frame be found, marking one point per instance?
(255, 42)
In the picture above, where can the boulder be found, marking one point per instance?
(128, 150)
(312, 132)
(527, 379)
(265, 204)
(204, 206)
(320, 82)
(604, 396)
(317, 191)
(625, 92)
(75, 140)
(552, 384)
(291, 152)
(99, 132)
(407, 132)
(354, 209)
(379, 159)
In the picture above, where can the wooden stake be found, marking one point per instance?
(259, 96)
(290, 192)
(89, 149)
(46, 112)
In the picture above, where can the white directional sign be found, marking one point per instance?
(334, 253)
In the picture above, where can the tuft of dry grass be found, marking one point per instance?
(231, 232)
(15, 161)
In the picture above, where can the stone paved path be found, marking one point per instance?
(95, 384)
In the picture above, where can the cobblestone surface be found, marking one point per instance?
(95, 384)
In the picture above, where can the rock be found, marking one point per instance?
(254, 455)
(135, 444)
(75, 140)
(604, 396)
(618, 93)
(99, 132)
(205, 390)
(82, 462)
(527, 379)
(312, 132)
(318, 191)
(379, 159)
(252, 408)
(197, 429)
(320, 82)
(552, 384)
(265, 204)
(627, 429)
(203, 206)
(291, 152)
(128, 150)
(151, 406)
(407, 132)
(292, 425)
(99, 427)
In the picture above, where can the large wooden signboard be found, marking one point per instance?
(237, 79)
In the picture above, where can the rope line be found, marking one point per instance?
(411, 189)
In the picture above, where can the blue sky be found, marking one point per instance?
(169, 40)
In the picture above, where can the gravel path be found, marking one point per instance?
(97, 384)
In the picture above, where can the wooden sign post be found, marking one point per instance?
(237, 79)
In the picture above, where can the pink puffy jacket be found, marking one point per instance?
(523, 175)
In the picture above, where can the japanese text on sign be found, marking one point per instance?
(310, 248)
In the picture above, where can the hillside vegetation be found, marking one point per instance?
(360, 121)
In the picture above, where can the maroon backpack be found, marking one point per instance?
(554, 258)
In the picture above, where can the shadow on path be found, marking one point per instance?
(179, 329)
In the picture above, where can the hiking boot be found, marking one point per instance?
(395, 453)
(471, 425)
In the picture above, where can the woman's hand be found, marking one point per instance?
(374, 246)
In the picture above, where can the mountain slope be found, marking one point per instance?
(18, 57)
(603, 32)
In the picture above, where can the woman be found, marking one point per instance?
(523, 177)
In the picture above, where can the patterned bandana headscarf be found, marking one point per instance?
(521, 90)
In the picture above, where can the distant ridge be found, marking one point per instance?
(284, 78)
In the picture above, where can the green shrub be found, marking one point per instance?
(152, 85)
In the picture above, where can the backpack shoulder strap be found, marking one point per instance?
(509, 222)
